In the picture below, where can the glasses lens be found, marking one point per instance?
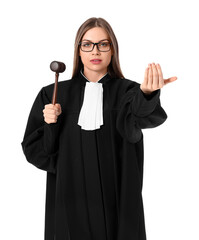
(86, 46)
(104, 46)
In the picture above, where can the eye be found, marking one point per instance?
(86, 44)
(104, 44)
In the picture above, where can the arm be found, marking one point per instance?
(139, 111)
(140, 107)
(40, 139)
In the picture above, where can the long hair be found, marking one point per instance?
(114, 69)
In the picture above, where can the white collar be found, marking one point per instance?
(89, 80)
(91, 113)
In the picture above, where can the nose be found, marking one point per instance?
(95, 50)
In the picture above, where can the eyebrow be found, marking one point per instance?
(92, 41)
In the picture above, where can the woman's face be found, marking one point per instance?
(95, 35)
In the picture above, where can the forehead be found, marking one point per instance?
(95, 34)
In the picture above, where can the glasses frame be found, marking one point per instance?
(96, 44)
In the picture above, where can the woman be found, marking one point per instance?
(91, 144)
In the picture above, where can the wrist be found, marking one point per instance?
(146, 92)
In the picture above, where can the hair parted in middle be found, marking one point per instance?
(114, 69)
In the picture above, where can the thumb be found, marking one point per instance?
(58, 106)
(169, 80)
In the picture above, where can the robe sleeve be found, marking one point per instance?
(40, 139)
(138, 111)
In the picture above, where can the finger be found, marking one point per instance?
(155, 83)
(51, 114)
(51, 111)
(49, 120)
(150, 78)
(145, 82)
(161, 80)
(49, 106)
(58, 108)
(54, 107)
(50, 117)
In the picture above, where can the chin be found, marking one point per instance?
(98, 68)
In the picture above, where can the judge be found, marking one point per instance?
(91, 143)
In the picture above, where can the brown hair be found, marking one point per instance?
(114, 69)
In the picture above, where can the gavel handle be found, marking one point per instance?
(54, 98)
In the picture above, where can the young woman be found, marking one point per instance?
(91, 144)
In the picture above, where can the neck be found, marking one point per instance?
(94, 76)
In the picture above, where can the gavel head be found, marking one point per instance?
(57, 67)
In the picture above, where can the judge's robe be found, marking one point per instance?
(94, 178)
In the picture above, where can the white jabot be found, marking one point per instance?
(91, 113)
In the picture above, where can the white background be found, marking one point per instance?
(34, 33)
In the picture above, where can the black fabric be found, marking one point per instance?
(94, 178)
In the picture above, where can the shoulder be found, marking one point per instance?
(125, 84)
(128, 82)
(47, 91)
(61, 84)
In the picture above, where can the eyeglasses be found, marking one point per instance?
(88, 46)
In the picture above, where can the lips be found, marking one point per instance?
(95, 60)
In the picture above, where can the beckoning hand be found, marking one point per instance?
(153, 79)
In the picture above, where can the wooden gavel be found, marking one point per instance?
(57, 67)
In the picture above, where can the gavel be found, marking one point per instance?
(57, 67)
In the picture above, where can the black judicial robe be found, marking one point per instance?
(94, 178)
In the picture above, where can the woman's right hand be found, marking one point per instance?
(51, 112)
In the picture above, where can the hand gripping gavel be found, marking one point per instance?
(57, 67)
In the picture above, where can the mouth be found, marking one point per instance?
(95, 61)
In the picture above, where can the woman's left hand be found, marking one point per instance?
(153, 79)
